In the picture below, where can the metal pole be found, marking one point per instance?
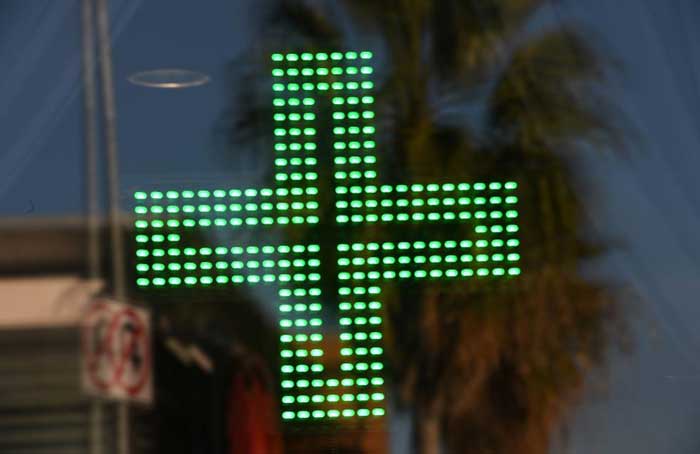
(91, 167)
(110, 127)
(117, 249)
(91, 184)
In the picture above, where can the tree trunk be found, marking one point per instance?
(426, 429)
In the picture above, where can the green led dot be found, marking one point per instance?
(378, 412)
(142, 267)
(367, 85)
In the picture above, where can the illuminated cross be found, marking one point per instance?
(302, 83)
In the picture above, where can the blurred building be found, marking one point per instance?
(43, 293)
(43, 410)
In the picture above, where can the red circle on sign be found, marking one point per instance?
(138, 337)
(106, 352)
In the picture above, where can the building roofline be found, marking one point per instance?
(55, 222)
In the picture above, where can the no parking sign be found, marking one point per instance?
(116, 352)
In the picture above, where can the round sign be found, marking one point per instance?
(117, 351)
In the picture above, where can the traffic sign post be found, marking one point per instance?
(116, 353)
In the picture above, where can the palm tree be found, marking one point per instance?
(480, 89)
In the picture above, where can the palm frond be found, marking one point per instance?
(299, 23)
(544, 94)
(469, 36)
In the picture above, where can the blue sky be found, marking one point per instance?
(650, 197)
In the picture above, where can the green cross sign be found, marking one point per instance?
(338, 86)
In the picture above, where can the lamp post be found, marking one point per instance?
(95, 24)
(91, 184)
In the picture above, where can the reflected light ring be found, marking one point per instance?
(169, 78)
